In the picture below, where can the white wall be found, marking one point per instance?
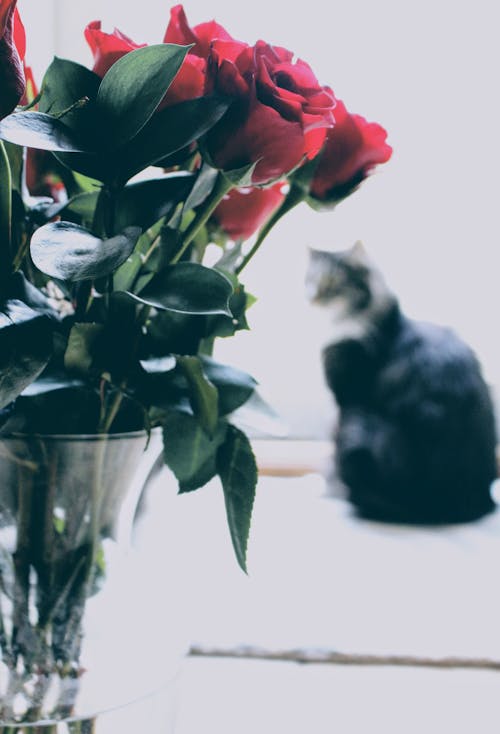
(428, 72)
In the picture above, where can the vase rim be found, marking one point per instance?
(16, 436)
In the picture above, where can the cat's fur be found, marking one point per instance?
(415, 439)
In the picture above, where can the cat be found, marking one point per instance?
(415, 440)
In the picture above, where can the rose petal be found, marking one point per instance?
(12, 81)
(243, 211)
(203, 36)
(353, 147)
(107, 48)
(250, 141)
(188, 83)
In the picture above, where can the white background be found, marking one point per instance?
(428, 72)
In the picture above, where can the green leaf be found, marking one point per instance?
(134, 86)
(126, 275)
(171, 332)
(170, 130)
(188, 288)
(145, 202)
(84, 184)
(171, 238)
(38, 130)
(15, 156)
(302, 176)
(64, 84)
(68, 408)
(91, 165)
(25, 347)
(241, 176)
(189, 451)
(52, 383)
(203, 394)
(21, 289)
(165, 389)
(204, 184)
(141, 204)
(235, 387)
(83, 205)
(80, 352)
(159, 365)
(224, 326)
(69, 252)
(237, 469)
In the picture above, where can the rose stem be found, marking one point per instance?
(295, 196)
(222, 186)
(109, 416)
(45, 559)
(79, 593)
(5, 212)
(22, 558)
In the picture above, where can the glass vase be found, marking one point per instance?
(83, 616)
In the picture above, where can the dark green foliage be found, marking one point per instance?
(107, 312)
(238, 472)
(25, 347)
(189, 452)
(133, 88)
(188, 288)
(69, 252)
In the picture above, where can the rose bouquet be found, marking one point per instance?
(113, 182)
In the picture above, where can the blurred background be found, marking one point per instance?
(428, 73)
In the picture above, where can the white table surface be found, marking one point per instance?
(321, 578)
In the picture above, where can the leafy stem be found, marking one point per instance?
(222, 186)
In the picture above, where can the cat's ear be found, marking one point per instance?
(359, 254)
(314, 253)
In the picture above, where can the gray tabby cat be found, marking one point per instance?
(415, 440)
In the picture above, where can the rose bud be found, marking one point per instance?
(352, 149)
(244, 210)
(12, 82)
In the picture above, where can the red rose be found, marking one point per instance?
(353, 147)
(279, 114)
(109, 47)
(12, 82)
(243, 211)
(203, 36)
